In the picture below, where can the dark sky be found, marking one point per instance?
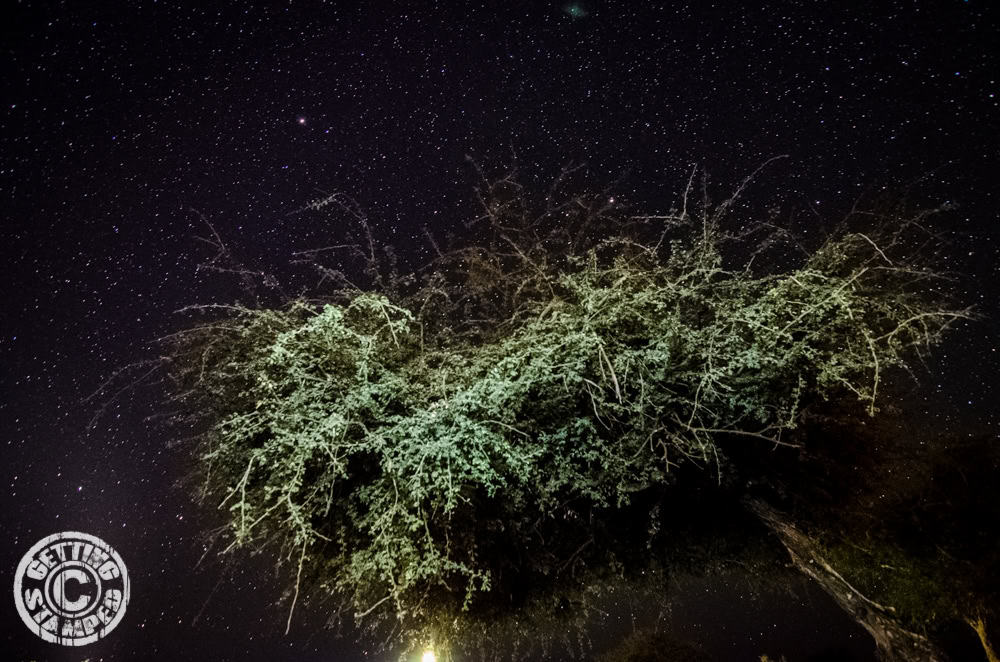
(120, 119)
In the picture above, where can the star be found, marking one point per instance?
(301, 120)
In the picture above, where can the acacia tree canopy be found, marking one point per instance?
(428, 440)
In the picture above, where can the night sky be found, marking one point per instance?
(122, 123)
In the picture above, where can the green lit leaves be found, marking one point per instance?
(422, 441)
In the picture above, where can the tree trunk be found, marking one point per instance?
(894, 642)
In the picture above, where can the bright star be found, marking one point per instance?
(301, 120)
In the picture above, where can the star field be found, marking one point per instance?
(122, 123)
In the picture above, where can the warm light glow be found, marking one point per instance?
(429, 656)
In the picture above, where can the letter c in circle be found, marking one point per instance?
(59, 586)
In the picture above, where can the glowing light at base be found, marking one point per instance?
(428, 656)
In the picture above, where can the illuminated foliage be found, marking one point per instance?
(429, 440)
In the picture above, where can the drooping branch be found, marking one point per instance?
(894, 642)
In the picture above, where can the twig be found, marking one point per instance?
(298, 580)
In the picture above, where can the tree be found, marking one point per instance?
(427, 447)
